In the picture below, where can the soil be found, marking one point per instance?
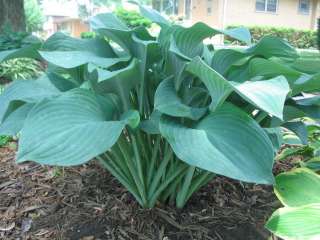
(87, 203)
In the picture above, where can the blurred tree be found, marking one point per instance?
(12, 13)
(34, 16)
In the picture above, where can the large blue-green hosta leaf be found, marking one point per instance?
(268, 95)
(15, 121)
(26, 91)
(67, 52)
(226, 142)
(70, 129)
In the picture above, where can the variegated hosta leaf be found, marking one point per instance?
(70, 129)
(226, 142)
(268, 95)
(298, 187)
(296, 223)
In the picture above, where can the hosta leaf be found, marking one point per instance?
(270, 46)
(14, 122)
(167, 101)
(62, 42)
(67, 52)
(298, 187)
(226, 142)
(296, 223)
(275, 135)
(299, 128)
(153, 15)
(268, 68)
(29, 48)
(268, 95)
(69, 130)
(110, 26)
(26, 91)
(307, 83)
(120, 81)
(73, 59)
(223, 59)
(151, 126)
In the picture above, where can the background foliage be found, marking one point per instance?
(132, 18)
(34, 16)
(297, 38)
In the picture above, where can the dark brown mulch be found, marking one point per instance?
(86, 203)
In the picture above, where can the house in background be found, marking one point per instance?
(298, 14)
(62, 16)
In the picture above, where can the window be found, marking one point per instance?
(304, 6)
(266, 6)
(209, 7)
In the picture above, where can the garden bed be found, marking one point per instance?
(38, 202)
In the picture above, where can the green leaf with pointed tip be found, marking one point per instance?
(226, 142)
(26, 91)
(296, 223)
(298, 187)
(268, 95)
(69, 130)
(168, 102)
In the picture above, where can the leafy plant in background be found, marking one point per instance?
(297, 38)
(132, 18)
(164, 114)
(20, 68)
(86, 35)
(299, 192)
(10, 39)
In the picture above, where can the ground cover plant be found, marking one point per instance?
(163, 114)
(298, 190)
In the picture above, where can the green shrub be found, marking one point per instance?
(163, 114)
(87, 35)
(132, 18)
(297, 38)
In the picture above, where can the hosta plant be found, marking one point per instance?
(299, 192)
(164, 114)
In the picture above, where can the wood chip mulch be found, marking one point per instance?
(87, 203)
